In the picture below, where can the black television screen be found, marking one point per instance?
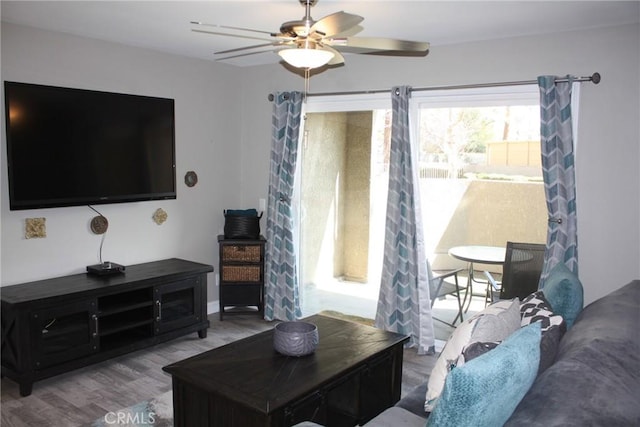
(71, 147)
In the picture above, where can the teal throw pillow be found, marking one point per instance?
(563, 291)
(486, 390)
(494, 323)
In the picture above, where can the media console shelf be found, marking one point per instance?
(57, 325)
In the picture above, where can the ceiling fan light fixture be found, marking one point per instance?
(306, 57)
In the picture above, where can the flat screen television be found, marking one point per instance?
(72, 147)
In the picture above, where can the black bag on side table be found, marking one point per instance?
(241, 224)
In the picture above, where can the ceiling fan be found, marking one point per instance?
(307, 43)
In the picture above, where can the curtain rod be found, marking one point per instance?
(595, 78)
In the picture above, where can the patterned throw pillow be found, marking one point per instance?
(474, 350)
(494, 323)
(536, 308)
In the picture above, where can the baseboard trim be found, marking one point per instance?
(213, 307)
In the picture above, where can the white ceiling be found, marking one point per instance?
(164, 25)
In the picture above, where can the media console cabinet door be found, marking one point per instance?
(63, 333)
(178, 304)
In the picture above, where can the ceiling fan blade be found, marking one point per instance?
(230, 35)
(255, 46)
(228, 27)
(337, 56)
(336, 23)
(243, 54)
(380, 46)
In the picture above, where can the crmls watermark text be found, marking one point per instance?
(128, 418)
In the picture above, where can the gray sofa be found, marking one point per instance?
(594, 381)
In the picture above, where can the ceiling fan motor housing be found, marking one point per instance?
(297, 28)
(302, 27)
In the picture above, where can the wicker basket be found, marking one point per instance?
(243, 253)
(244, 273)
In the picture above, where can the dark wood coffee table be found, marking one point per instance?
(354, 374)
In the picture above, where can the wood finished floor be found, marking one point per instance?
(80, 397)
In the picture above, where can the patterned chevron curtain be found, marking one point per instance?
(282, 299)
(404, 303)
(558, 173)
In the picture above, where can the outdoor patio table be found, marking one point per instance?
(477, 254)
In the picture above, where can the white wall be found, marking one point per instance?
(609, 138)
(207, 141)
(215, 130)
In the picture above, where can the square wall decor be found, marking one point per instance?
(35, 228)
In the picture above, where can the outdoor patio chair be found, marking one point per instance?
(439, 288)
(520, 274)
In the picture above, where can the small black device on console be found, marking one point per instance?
(106, 268)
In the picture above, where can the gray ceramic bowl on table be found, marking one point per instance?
(295, 338)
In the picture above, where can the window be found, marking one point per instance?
(480, 180)
(479, 167)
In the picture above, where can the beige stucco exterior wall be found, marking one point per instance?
(323, 161)
(336, 158)
(514, 153)
(355, 248)
(492, 213)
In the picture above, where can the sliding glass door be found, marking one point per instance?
(344, 157)
(480, 181)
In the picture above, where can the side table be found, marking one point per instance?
(241, 275)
